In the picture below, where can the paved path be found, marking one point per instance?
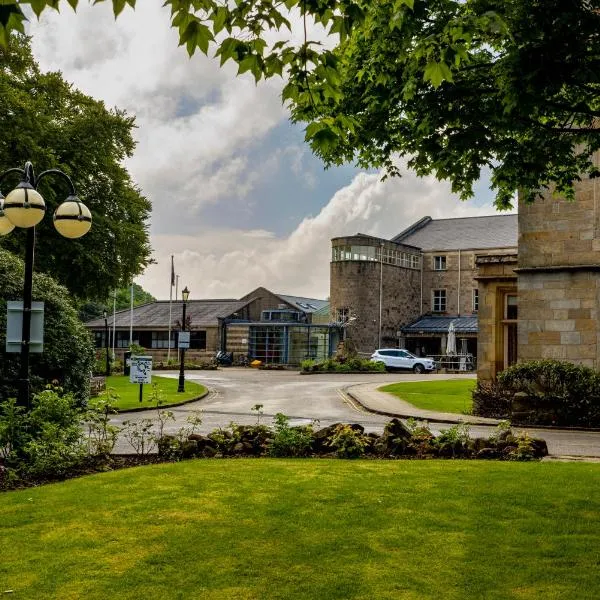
(331, 399)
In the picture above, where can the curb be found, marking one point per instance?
(401, 415)
(143, 408)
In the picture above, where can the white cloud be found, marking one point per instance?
(219, 264)
(198, 125)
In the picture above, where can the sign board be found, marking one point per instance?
(183, 341)
(141, 369)
(14, 326)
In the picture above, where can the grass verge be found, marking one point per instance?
(306, 529)
(165, 386)
(450, 395)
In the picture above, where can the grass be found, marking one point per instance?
(306, 529)
(129, 393)
(452, 395)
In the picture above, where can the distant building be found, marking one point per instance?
(406, 291)
(273, 328)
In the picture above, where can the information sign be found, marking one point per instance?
(141, 369)
(183, 341)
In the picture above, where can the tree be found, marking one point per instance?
(45, 120)
(68, 354)
(93, 310)
(453, 85)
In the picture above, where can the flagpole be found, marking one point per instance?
(114, 323)
(131, 318)
(176, 287)
(170, 308)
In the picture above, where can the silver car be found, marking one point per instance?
(396, 358)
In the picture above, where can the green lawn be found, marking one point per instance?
(308, 529)
(452, 395)
(129, 393)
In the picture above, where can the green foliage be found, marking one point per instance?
(342, 365)
(348, 442)
(290, 441)
(94, 310)
(68, 355)
(545, 392)
(102, 435)
(52, 442)
(454, 85)
(46, 120)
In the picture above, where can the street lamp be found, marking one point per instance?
(105, 314)
(185, 294)
(24, 208)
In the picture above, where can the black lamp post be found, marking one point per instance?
(105, 314)
(185, 294)
(24, 207)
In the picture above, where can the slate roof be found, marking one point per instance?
(429, 324)
(307, 305)
(155, 315)
(494, 231)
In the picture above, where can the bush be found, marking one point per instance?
(545, 392)
(348, 442)
(342, 364)
(68, 356)
(290, 441)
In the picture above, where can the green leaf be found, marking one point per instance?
(436, 73)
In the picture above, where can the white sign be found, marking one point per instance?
(183, 341)
(14, 326)
(141, 369)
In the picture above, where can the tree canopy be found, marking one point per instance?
(92, 310)
(452, 85)
(46, 120)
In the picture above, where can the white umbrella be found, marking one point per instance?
(451, 341)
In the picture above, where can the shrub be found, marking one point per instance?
(68, 355)
(342, 364)
(348, 442)
(545, 392)
(491, 400)
(290, 441)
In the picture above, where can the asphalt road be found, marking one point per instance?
(306, 398)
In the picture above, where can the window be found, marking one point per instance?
(341, 315)
(198, 340)
(439, 301)
(510, 309)
(439, 263)
(475, 300)
(160, 339)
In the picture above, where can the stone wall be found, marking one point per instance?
(559, 277)
(496, 278)
(356, 285)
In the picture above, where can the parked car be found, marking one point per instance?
(397, 358)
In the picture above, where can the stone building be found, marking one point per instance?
(405, 291)
(543, 302)
(273, 328)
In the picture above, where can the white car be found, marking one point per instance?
(395, 358)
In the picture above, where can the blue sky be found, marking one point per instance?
(237, 196)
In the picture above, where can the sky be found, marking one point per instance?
(237, 196)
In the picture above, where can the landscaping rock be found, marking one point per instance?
(397, 429)
(488, 453)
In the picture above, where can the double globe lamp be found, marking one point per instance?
(24, 207)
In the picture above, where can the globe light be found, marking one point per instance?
(24, 206)
(5, 224)
(72, 218)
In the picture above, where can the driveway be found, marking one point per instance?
(304, 398)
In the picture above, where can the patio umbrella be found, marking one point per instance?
(451, 341)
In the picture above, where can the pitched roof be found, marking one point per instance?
(155, 315)
(494, 231)
(306, 305)
(429, 324)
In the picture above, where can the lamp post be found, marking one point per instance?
(185, 294)
(24, 208)
(105, 314)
